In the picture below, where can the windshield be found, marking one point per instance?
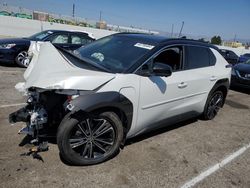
(40, 36)
(116, 53)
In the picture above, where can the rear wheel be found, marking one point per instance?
(90, 139)
(21, 59)
(213, 105)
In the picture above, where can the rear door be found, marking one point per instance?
(199, 68)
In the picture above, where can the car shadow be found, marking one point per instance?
(158, 131)
(163, 129)
(2, 64)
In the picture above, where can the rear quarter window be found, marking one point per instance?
(198, 57)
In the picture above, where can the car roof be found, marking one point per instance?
(161, 40)
(71, 31)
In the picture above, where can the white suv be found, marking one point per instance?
(117, 87)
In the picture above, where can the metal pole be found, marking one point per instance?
(172, 32)
(100, 16)
(234, 37)
(73, 13)
(181, 28)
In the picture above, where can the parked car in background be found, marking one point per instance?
(14, 50)
(241, 75)
(230, 56)
(116, 88)
(244, 57)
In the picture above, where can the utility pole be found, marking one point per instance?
(73, 11)
(100, 16)
(172, 31)
(234, 37)
(181, 28)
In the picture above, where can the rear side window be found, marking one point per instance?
(197, 57)
(60, 39)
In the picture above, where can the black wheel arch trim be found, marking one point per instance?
(104, 100)
(222, 84)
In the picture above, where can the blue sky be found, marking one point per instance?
(202, 17)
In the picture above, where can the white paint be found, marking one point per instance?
(145, 46)
(11, 105)
(215, 167)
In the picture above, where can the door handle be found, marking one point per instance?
(213, 78)
(182, 85)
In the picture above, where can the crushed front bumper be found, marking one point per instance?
(35, 117)
(21, 115)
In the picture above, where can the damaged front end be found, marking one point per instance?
(42, 114)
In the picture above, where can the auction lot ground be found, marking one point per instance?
(168, 158)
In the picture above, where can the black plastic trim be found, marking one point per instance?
(96, 101)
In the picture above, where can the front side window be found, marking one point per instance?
(196, 57)
(172, 57)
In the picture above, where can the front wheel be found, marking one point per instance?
(90, 139)
(214, 102)
(21, 59)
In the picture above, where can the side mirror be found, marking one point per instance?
(161, 69)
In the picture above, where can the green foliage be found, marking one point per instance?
(216, 40)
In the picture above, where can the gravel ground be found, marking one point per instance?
(165, 158)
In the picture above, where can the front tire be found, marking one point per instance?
(214, 102)
(89, 139)
(20, 59)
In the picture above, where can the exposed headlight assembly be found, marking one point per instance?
(7, 46)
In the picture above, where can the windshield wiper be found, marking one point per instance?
(84, 60)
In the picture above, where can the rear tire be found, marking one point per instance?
(214, 102)
(89, 140)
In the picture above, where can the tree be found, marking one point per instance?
(216, 40)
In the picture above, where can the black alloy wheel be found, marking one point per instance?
(90, 140)
(21, 59)
(213, 105)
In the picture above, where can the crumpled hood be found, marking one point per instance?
(50, 70)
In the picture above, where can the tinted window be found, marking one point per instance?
(60, 39)
(232, 54)
(196, 57)
(80, 39)
(212, 58)
(171, 56)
